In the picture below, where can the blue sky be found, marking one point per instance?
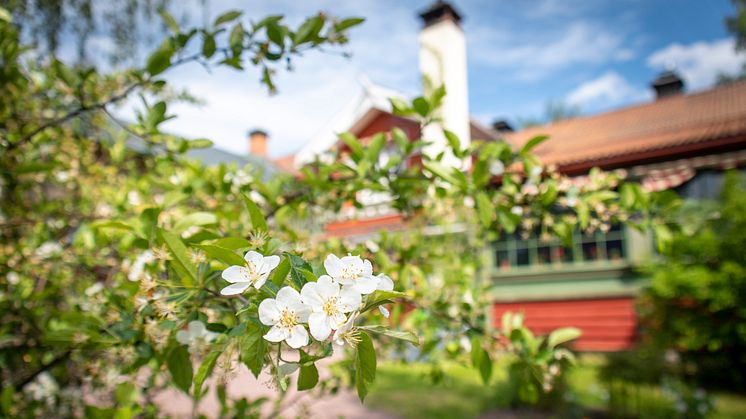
(599, 55)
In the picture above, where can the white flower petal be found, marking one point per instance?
(302, 311)
(253, 257)
(276, 334)
(271, 262)
(333, 266)
(196, 328)
(236, 288)
(366, 285)
(319, 325)
(261, 281)
(309, 294)
(337, 320)
(287, 296)
(349, 299)
(326, 287)
(268, 312)
(234, 274)
(298, 337)
(385, 283)
(367, 268)
(384, 311)
(182, 336)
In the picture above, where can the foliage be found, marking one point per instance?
(695, 305)
(126, 261)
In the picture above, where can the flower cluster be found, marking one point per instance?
(329, 304)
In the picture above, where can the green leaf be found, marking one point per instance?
(365, 365)
(253, 349)
(396, 334)
(297, 268)
(421, 106)
(453, 142)
(208, 46)
(308, 377)
(169, 20)
(160, 60)
(180, 367)
(308, 31)
(381, 297)
(227, 17)
(532, 143)
(200, 143)
(485, 367)
(118, 225)
(235, 40)
(204, 371)
(441, 171)
(281, 272)
(258, 222)
(348, 23)
(232, 243)
(227, 256)
(562, 335)
(181, 259)
(374, 148)
(355, 147)
(484, 209)
(194, 219)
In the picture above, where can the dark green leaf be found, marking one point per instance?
(354, 144)
(365, 365)
(308, 31)
(208, 46)
(422, 106)
(453, 142)
(236, 38)
(281, 272)
(253, 349)
(160, 60)
(180, 367)
(381, 297)
(308, 377)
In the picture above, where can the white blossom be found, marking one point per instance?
(137, 271)
(347, 333)
(195, 336)
(285, 313)
(497, 168)
(43, 388)
(13, 278)
(329, 303)
(48, 249)
(353, 271)
(256, 272)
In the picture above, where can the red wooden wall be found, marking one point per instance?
(608, 324)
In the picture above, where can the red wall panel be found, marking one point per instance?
(608, 324)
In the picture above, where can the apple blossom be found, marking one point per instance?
(285, 313)
(329, 302)
(347, 332)
(353, 271)
(196, 330)
(256, 271)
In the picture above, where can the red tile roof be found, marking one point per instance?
(658, 129)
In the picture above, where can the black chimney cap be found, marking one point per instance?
(668, 84)
(502, 125)
(439, 11)
(257, 131)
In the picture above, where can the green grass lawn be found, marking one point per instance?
(408, 392)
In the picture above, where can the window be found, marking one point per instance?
(513, 252)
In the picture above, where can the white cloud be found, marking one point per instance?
(533, 56)
(699, 63)
(607, 90)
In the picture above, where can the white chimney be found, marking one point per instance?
(443, 61)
